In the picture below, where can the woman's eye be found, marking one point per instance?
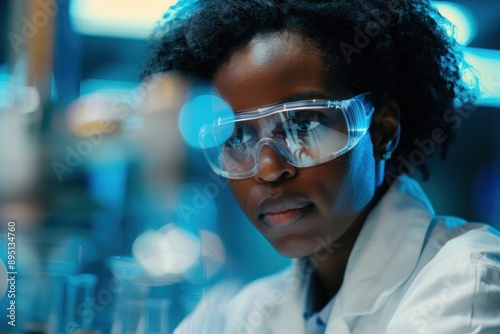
(304, 122)
(241, 136)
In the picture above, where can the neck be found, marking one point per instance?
(330, 271)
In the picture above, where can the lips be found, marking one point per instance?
(279, 212)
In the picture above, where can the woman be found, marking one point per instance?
(329, 99)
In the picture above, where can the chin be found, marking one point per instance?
(293, 246)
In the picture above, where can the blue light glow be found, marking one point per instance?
(463, 20)
(487, 64)
(200, 111)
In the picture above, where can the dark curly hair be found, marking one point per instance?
(399, 48)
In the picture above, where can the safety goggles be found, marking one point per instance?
(304, 133)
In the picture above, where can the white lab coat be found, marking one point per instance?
(409, 272)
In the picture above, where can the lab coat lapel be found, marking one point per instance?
(274, 308)
(384, 255)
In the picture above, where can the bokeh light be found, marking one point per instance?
(169, 250)
(465, 25)
(200, 111)
(212, 261)
(213, 252)
(117, 18)
(486, 64)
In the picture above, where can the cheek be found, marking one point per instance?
(241, 190)
(341, 188)
(359, 182)
(347, 184)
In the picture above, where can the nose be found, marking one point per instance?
(272, 167)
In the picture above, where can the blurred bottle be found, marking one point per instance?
(79, 303)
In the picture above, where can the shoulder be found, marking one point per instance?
(458, 242)
(458, 289)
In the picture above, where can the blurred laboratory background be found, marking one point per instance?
(120, 225)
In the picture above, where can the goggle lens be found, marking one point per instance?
(307, 134)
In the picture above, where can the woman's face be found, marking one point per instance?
(299, 210)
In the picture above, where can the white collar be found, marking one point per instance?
(387, 248)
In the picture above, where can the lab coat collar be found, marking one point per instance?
(387, 248)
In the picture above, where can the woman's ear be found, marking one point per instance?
(385, 130)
